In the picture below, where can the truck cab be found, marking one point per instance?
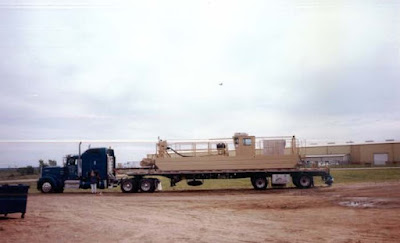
(76, 171)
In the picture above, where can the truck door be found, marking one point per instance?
(72, 168)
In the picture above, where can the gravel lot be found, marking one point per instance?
(362, 212)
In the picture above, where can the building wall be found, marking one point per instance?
(367, 151)
(396, 152)
(339, 149)
(360, 153)
(355, 153)
(331, 149)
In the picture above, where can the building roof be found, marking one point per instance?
(352, 143)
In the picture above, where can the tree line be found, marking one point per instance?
(30, 170)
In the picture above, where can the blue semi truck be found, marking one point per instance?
(77, 168)
(76, 171)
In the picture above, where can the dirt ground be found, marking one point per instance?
(364, 212)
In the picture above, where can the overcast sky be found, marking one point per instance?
(137, 70)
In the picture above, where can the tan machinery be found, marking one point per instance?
(216, 155)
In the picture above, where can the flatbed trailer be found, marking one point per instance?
(275, 159)
(139, 179)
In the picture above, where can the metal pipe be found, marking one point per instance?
(79, 161)
(80, 143)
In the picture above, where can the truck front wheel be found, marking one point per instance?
(47, 187)
(259, 183)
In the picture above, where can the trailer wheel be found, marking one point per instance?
(147, 185)
(129, 186)
(47, 187)
(259, 183)
(305, 181)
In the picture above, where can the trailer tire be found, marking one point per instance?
(305, 181)
(259, 182)
(147, 185)
(47, 187)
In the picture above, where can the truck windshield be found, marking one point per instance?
(71, 161)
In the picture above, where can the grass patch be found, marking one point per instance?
(378, 175)
(13, 174)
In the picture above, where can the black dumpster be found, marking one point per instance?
(13, 199)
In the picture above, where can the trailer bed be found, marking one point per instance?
(156, 172)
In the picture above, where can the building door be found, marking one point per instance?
(380, 159)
